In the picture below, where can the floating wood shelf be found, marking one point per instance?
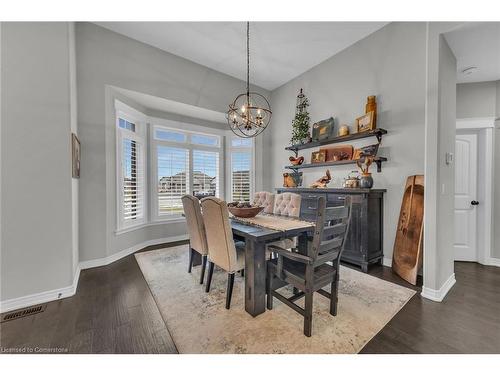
(351, 137)
(377, 160)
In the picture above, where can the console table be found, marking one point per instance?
(364, 245)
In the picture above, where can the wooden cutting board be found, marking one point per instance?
(408, 246)
(344, 152)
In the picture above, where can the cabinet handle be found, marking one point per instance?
(341, 198)
(312, 196)
(312, 208)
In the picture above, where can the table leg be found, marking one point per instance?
(255, 277)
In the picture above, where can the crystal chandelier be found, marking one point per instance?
(250, 113)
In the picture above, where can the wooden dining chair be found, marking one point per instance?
(222, 250)
(288, 205)
(264, 199)
(310, 272)
(196, 232)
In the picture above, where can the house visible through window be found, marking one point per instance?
(241, 169)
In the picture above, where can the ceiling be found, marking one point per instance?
(476, 44)
(279, 51)
(166, 105)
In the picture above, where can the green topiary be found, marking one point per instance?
(300, 124)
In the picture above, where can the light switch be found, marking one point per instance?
(448, 158)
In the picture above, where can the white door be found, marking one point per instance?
(465, 197)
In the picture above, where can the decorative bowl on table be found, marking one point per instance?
(244, 209)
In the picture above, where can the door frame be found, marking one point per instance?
(484, 127)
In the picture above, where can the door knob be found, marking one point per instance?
(474, 203)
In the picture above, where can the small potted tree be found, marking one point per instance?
(300, 124)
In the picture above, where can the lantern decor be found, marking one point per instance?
(250, 113)
(300, 124)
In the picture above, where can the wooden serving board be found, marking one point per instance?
(408, 246)
(344, 151)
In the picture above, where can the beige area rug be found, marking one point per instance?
(199, 323)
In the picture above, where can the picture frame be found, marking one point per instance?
(370, 150)
(366, 122)
(318, 156)
(75, 156)
(323, 129)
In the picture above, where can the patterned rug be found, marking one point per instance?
(199, 323)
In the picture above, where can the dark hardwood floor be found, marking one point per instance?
(113, 311)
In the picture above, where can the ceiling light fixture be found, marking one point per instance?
(469, 70)
(250, 113)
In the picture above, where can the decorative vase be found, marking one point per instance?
(366, 181)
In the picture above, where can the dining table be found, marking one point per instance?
(257, 232)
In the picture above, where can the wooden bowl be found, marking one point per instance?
(245, 212)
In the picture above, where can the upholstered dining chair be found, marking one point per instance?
(222, 250)
(286, 204)
(318, 267)
(264, 199)
(196, 232)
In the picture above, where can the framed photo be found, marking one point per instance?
(318, 156)
(370, 150)
(323, 129)
(357, 154)
(75, 156)
(365, 122)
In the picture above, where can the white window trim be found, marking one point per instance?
(230, 136)
(139, 136)
(189, 129)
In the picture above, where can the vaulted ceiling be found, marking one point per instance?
(280, 51)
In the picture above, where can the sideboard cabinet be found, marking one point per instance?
(364, 245)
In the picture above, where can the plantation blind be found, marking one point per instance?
(173, 178)
(241, 167)
(132, 181)
(206, 172)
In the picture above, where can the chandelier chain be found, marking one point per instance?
(248, 58)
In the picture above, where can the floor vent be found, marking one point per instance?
(21, 313)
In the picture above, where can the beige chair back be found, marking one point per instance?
(287, 204)
(221, 249)
(266, 200)
(195, 225)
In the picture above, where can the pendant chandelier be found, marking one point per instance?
(250, 113)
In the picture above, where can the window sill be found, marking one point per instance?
(150, 224)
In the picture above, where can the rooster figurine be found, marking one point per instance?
(323, 181)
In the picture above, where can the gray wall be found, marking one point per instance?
(36, 189)
(476, 99)
(446, 173)
(106, 59)
(389, 63)
(482, 99)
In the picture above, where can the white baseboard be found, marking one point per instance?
(52, 295)
(43, 297)
(387, 262)
(121, 254)
(493, 262)
(438, 295)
